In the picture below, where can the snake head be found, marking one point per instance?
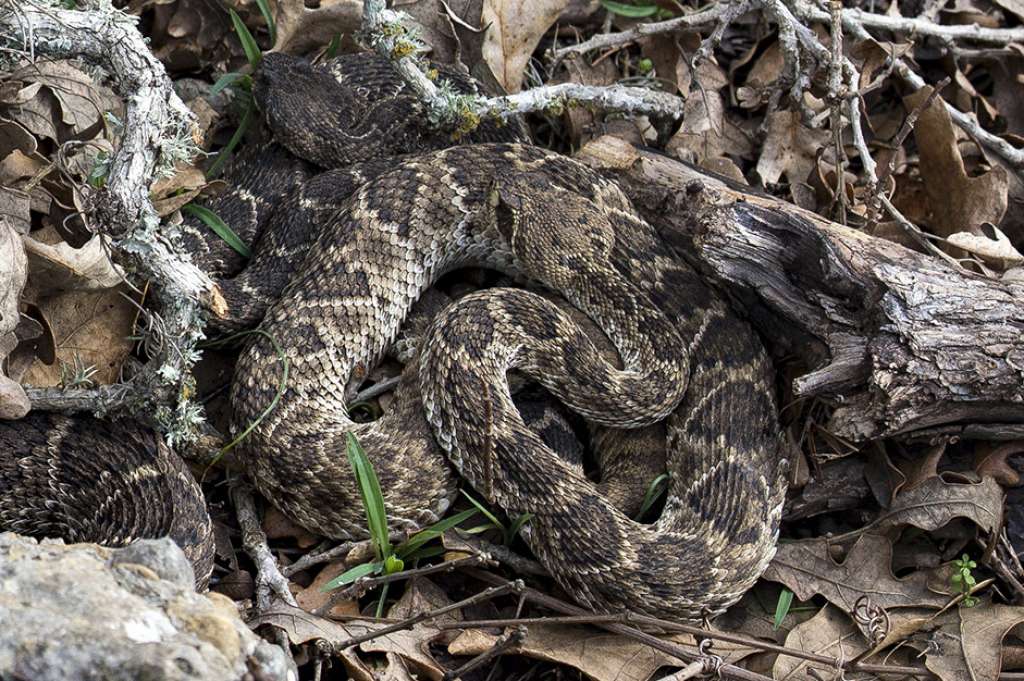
(545, 225)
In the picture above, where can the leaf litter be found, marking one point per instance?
(870, 571)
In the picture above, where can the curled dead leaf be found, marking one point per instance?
(959, 203)
(599, 655)
(515, 30)
(59, 267)
(991, 245)
(807, 568)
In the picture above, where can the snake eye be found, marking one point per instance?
(365, 412)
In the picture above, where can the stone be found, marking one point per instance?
(84, 611)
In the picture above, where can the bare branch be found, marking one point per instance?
(158, 131)
(717, 13)
(254, 540)
(384, 31)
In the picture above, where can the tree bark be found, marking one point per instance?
(898, 341)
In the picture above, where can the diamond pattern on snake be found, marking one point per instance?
(356, 211)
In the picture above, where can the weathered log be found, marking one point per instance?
(897, 340)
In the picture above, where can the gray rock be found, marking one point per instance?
(160, 555)
(88, 612)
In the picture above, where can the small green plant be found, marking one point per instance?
(77, 374)
(388, 559)
(100, 170)
(963, 579)
(242, 82)
(782, 607)
(508, 532)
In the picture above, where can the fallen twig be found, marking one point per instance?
(158, 131)
(504, 588)
(627, 624)
(383, 30)
(717, 13)
(268, 578)
(364, 584)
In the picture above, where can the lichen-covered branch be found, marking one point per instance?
(158, 131)
(384, 31)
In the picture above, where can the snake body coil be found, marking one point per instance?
(354, 249)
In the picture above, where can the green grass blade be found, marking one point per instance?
(517, 525)
(654, 492)
(433, 532)
(333, 46)
(269, 18)
(277, 396)
(425, 552)
(219, 227)
(244, 81)
(352, 574)
(629, 11)
(483, 509)
(252, 51)
(225, 153)
(782, 608)
(383, 599)
(270, 407)
(373, 498)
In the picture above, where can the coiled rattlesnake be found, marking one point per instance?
(544, 219)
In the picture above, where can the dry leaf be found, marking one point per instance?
(874, 57)
(990, 460)
(58, 267)
(827, 633)
(762, 79)
(15, 206)
(311, 598)
(967, 645)
(599, 655)
(997, 251)
(807, 568)
(91, 329)
(13, 273)
(936, 501)
(34, 107)
(191, 34)
(81, 102)
(514, 29)
(15, 137)
(436, 29)
(422, 595)
(279, 526)
(301, 28)
(791, 150)
(412, 646)
(958, 203)
(706, 133)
